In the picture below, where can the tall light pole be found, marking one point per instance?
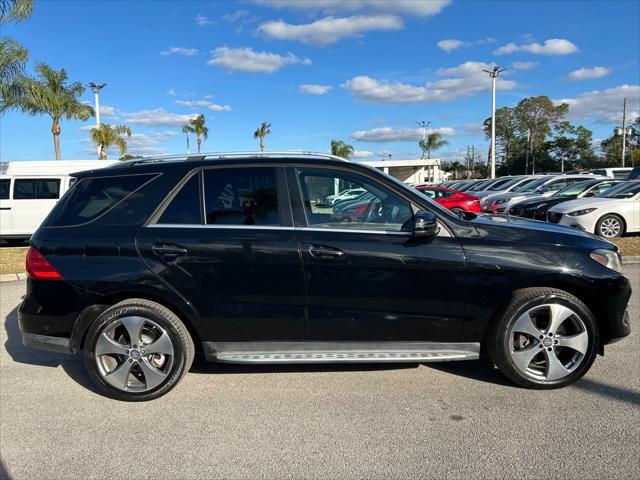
(624, 129)
(424, 125)
(494, 75)
(96, 92)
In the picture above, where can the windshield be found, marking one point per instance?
(575, 189)
(479, 186)
(520, 183)
(500, 184)
(623, 190)
(530, 187)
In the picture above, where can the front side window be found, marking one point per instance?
(241, 196)
(376, 209)
(4, 188)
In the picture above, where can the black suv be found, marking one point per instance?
(245, 259)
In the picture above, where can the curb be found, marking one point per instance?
(630, 260)
(12, 277)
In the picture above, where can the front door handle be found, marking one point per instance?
(168, 250)
(322, 251)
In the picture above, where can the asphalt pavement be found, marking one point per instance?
(456, 420)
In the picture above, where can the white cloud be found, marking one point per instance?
(205, 103)
(464, 80)
(362, 154)
(604, 106)
(522, 66)
(237, 15)
(158, 117)
(553, 46)
(171, 92)
(312, 89)
(588, 73)
(107, 111)
(248, 60)
(388, 134)
(330, 30)
(420, 8)
(185, 52)
(451, 44)
(203, 21)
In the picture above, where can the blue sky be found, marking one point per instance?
(361, 71)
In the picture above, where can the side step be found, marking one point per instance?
(343, 352)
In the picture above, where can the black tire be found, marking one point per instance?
(498, 337)
(610, 217)
(182, 343)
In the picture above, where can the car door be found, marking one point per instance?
(225, 242)
(366, 278)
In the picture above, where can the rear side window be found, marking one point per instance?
(36, 189)
(185, 207)
(4, 189)
(241, 196)
(91, 197)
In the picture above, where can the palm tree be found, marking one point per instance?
(433, 142)
(341, 149)
(15, 10)
(13, 58)
(106, 135)
(197, 127)
(186, 129)
(262, 131)
(455, 168)
(48, 94)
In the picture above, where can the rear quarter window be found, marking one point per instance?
(92, 197)
(4, 188)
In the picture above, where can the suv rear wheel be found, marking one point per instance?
(137, 350)
(546, 338)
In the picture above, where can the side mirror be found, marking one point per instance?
(590, 194)
(425, 224)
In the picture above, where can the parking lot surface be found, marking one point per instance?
(456, 420)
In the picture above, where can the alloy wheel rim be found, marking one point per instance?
(134, 354)
(610, 227)
(548, 342)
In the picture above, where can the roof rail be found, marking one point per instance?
(224, 155)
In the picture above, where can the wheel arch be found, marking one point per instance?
(614, 213)
(93, 311)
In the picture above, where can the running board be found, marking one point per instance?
(339, 352)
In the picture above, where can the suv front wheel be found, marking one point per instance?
(137, 350)
(546, 338)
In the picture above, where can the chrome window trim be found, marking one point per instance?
(276, 227)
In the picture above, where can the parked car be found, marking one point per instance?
(486, 198)
(537, 208)
(348, 194)
(30, 189)
(619, 173)
(610, 214)
(143, 264)
(457, 202)
(544, 186)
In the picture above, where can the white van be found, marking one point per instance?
(30, 189)
(619, 173)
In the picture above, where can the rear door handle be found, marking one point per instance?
(322, 251)
(168, 250)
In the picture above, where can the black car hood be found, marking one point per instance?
(510, 228)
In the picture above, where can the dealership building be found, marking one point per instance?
(421, 170)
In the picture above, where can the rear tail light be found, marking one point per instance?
(39, 267)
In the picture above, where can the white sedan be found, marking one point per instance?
(610, 214)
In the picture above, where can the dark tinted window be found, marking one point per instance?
(47, 188)
(91, 197)
(32, 188)
(24, 189)
(241, 196)
(185, 206)
(4, 189)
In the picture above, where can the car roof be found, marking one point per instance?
(188, 162)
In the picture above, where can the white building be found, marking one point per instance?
(420, 170)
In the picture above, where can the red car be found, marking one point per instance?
(452, 199)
